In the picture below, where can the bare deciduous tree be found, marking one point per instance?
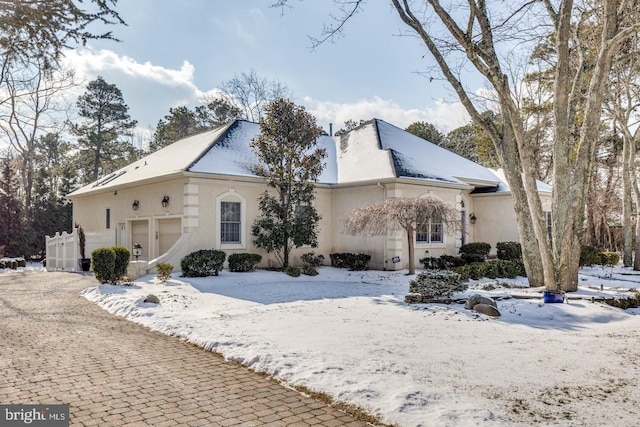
(31, 104)
(408, 214)
(480, 36)
(252, 93)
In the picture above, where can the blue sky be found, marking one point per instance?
(174, 51)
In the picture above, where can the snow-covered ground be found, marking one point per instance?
(350, 334)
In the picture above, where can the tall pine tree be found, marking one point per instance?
(290, 162)
(102, 146)
(12, 236)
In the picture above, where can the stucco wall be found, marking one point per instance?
(496, 218)
(91, 211)
(195, 203)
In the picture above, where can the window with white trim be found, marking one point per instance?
(432, 232)
(230, 222)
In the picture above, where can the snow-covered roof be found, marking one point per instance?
(414, 157)
(232, 155)
(375, 150)
(504, 186)
(172, 159)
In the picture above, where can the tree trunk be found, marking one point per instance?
(412, 263)
(627, 171)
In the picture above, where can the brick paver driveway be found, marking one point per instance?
(57, 347)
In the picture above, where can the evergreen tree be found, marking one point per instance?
(290, 162)
(426, 130)
(44, 218)
(216, 112)
(179, 123)
(107, 120)
(12, 235)
(46, 28)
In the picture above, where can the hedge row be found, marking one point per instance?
(507, 269)
(13, 263)
(350, 260)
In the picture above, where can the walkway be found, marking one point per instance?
(57, 347)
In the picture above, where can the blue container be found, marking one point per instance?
(553, 296)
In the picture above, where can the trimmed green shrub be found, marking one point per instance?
(360, 262)
(509, 250)
(21, 262)
(293, 271)
(356, 262)
(589, 256)
(437, 284)
(103, 262)
(475, 252)
(203, 263)
(164, 271)
(504, 269)
(444, 262)
(471, 271)
(609, 258)
(341, 259)
(122, 261)
(244, 262)
(309, 271)
(312, 260)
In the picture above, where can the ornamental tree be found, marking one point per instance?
(377, 219)
(290, 161)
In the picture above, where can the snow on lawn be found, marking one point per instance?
(350, 334)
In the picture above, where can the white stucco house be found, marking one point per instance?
(201, 193)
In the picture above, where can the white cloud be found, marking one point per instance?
(446, 116)
(149, 90)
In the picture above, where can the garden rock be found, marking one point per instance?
(479, 299)
(152, 299)
(487, 309)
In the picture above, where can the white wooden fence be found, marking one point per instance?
(63, 250)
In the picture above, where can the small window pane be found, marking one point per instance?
(230, 222)
(436, 233)
(430, 233)
(422, 233)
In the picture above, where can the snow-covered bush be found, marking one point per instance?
(437, 284)
(312, 260)
(309, 271)
(293, 271)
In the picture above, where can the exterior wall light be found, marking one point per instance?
(135, 205)
(165, 201)
(472, 218)
(137, 250)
